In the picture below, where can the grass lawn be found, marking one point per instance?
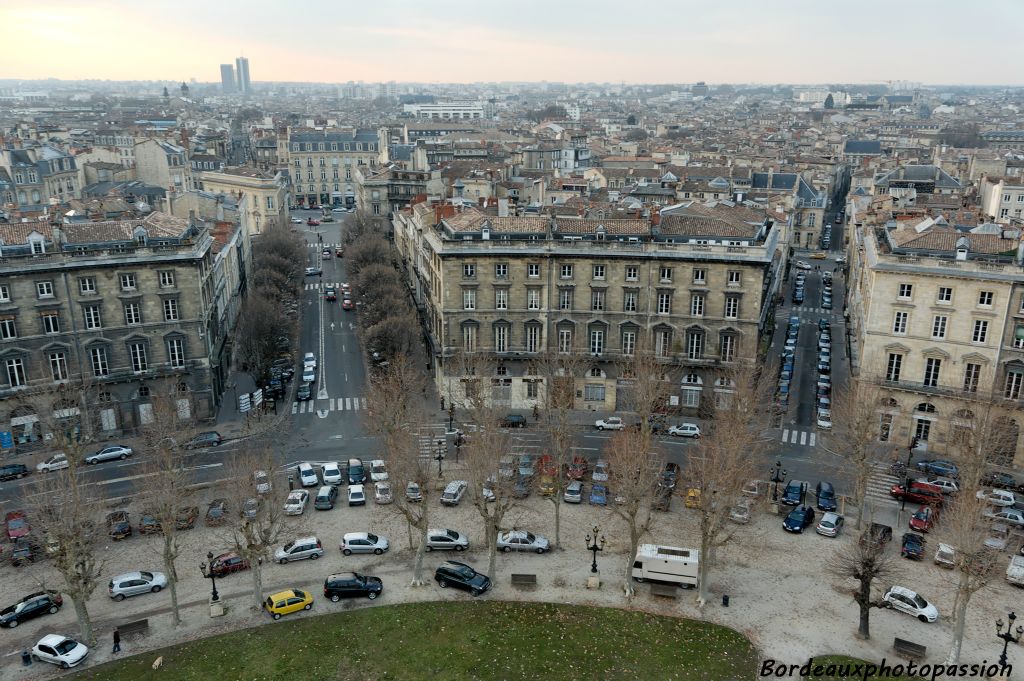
(455, 640)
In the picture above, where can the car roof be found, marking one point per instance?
(127, 575)
(324, 488)
(830, 515)
(356, 535)
(355, 488)
(341, 575)
(305, 466)
(377, 462)
(381, 483)
(282, 594)
(51, 640)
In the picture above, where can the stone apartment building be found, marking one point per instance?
(114, 311)
(322, 163)
(937, 316)
(32, 176)
(694, 288)
(267, 194)
(163, 164)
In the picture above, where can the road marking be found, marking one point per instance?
(813, 437)
(322, 413)
(128, 478)
(332, 404)
(348, 403)
(295, 407)
(803, 438)
(363, 401)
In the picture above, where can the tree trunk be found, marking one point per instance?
(963, 597)
(704, 566)
(634, 539)
(170, 553)
(864, 602)
(408, 528)
(558, 523)
(257, 583)
(84, 621)
(860, 511)
(417, 570)
(492, 544)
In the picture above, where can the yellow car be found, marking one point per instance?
(547, 485)
(693, 498)
(287, 602)
(818, 256)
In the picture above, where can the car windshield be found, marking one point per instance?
(465, 572)
(373, 538)
(921, 515)
(827, 523)
(919, 602)
(16, 523)
(66, 646)
(289, 545)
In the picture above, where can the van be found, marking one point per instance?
(666, 564)
(325, 498)
(453, 493)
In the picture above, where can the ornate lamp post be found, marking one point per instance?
(1007, 635)
(593, 545)
(207, 570)
(778, 474)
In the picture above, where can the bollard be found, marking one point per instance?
(725, 600)
(26, 658)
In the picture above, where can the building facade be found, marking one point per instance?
(40, 174)
(243, 83)
(267, 195)
(227, 79)
(322, 162)
(164, 165)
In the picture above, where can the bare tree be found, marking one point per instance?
(864, 562)
(396, 415)
(260, 326)
(858, 414)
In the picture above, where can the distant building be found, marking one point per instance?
(242, 71)
(32, 177)
(321, 163)
(447, 110)
(163, 164)
(700, 89)
(227, 79)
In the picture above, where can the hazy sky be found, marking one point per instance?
(792, 41)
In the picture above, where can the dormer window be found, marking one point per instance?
(38, 247)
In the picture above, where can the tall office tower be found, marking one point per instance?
(242, 68)
(227, 78)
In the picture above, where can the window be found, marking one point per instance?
(597, 301)
(598, 271)
(501, 271)
(945, 295)
(972, 372)
(171, 310)
(699, 276)
(532, 338)
(980, 333)
(628, 342)
(87, 286)
(666, 274)
(16, 372)
(728, 348)
(501, 299)
(734, 278)
(128, 282)
(469, 338)
(732, 307)
(98, 360)
(632, 274)
(596, 342)
(501, 338)
(468, 271)
(884, 427)
(51, 322)
(939, 326)
(176, 352)
(38, 247)
(565, 299)
(899, 323)
(1018, 336)
(985, 299)
(565, 340)
(167, 279)
(138, 355)
(533, 299)
(5, 295)
(905, 291)
(7, 328)
(93, 317)
(593, 392)
(533, 269)
(58, 366)
(1011, 389)
(931, 372)
(892, 369)
(44, 289)
(566, 272)
(132, 314)
(468, 299)
(697, 305)
(629, 301)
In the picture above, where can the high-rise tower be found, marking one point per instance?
(242, 69)
(227, 79)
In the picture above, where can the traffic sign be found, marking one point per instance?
(244, 403)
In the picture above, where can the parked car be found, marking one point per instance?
(996, 479)
(347, 304)
(109, 454)
(507, 467)
(325, 498)
(941, 467)
(308, 375)
(997, 497)
(446, 540)
(598, 494)
(573, 493)
(298, 549)
(378, 471)
(522, 487)
(998, 537)
(947, 485)
(795, 492)
(209, 438)
(692, 498)
(356, 495)
(610, 423)
(412, 492)
(1010, 516)
(331, 473)
(526, 465)
(135, 583)
(454, 492)
(356, 472)
(924, 519)
(521, 540)
(59, 650)
(382, 492)
(824, 419)
(118, 526)
(663, 499)
(307, 475)
(25, 550)
(12, 471)
(740, 512)
(286, 602)
(798, 519)
(148, 523)
(578, 468)
(876, 535)
(601, 472)
(296, 502)
(185, 518)
(826, 495)
(685, 430)
(513, 421)
(262, 482)
(669, 475)
(53, 463)
(363, 542)
(31, 606)
(461, 576)
(352, 585)
(912, 546)
(304, 392)
(216, 512)
(830, 525)
(918, 492)
(227, 563)
(17, 525)
(908, 601)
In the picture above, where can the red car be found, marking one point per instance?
(919, 492)
(347, 304)
(547, 466)
(924, 519)
(577, 469)
(312, 222)
(226, 563)
(17, 525)
(330, 294)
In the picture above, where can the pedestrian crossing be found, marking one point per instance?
(880, 482)
(320, 245)
(317, 286)
(813, 310)
(799, 437)
(331, 404)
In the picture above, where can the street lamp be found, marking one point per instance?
(440, 456)
(778, 474)
(207, 570)
(593, 545)
(1007, 636)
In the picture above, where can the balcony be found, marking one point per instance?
(920, 387)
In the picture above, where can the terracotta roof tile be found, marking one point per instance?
(569, 225)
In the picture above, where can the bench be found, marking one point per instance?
(908, 649)
(524, 580)
(667, 590)
(135, 630)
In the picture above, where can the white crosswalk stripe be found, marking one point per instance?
(324, 245)
(880, 482)
(330, 404)
(799, 437)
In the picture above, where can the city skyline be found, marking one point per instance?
(457, 41)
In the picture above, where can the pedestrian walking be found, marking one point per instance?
(117, 641)
(442, 403)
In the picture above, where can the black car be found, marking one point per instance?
(210, 438)
(275, 387)
(352, 585)
(993, 479)
(826, 496)
(461, 576)
(25, 551)
(305, 392)
(356, 472)
(822, 323)
(513, 421)
(285, 366)
(798, 519)
(794, 493)
(669, 476)
(913, 546)
(30, 607)
(118, 526)
(13, 470)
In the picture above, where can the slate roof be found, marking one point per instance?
(919, 173)
(872, 147)
(333, 136)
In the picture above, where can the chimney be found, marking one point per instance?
(656, 216)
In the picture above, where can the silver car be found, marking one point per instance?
(135, 583)
(573, 493)
(363, 542)
(521, 540)
(304, 547)
(446, 540)
(109, 454)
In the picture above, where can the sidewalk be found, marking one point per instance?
(230, 422)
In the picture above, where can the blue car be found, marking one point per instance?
(598, 495)
(798, 519)
(939, 467)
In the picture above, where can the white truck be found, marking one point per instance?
(1015, 571)
(666, 564)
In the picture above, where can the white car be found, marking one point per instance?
(1010, 516)
(363, 542)
(331, 473)
(54, 463)
(356, 495)
(600, 473)
(999, 537)
(945, 484)
(824, 418)
(685, 430)
(997, 497)
(801, 265)
(309, 360)
(59, 650)
(338, 210)
(307, 475)
(378, 472)
(262, 480)
(382, 492)
(908, 601)
(308, 374)
(296, 502)
(446, 540)
(296, 221)
(610, 423)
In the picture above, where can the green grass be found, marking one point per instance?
(455, 640)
